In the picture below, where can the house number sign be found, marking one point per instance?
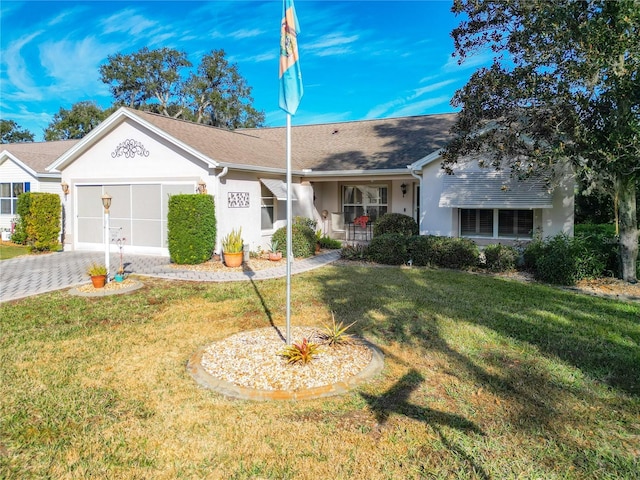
(238, 199)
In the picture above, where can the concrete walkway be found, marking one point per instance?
(34, 274)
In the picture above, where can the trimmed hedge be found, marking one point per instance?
(389, 249)
(501, 258)
(395, 223)
(19, 234)
(38, 223)
(191, 222)
(451, 252)
(303, 240)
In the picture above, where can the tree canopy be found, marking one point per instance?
(76, 122)
(564, 86)
(155, 80)
(11, 132)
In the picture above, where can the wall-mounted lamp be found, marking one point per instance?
(65, 188)
(106, 202)
(202, 187)
(403, 189)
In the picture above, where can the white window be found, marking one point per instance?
(370, 200)
(267, 209)
(477, 222)
(9, 196)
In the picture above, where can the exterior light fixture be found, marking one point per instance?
(403, 189)
(106, 202)
(202, 187)
(65, 188)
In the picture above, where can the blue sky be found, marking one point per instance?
(359, 59)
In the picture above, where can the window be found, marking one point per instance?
(9, 196)
(515, 223)
(267, 209)
(476, 222)
(496, 223)
(360, 200)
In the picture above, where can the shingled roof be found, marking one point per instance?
(391, 143)
(38, 155)
(384, 144)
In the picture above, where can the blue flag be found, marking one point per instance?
(290, 75)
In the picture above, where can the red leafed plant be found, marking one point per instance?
(303, 351)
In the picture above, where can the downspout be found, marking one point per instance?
(218, 200)
(419, 178)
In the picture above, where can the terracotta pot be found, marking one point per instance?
(275, 256)
(98, 280)
(233, 259)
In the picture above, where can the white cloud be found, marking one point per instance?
(419, 108)
(473, 61)
(73, 65)
(331, 44)
(433, 87)
(127, 21)
(20, 83)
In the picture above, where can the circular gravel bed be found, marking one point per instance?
(249, 365)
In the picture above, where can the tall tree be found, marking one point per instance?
(564, 86)
(138, 78)
(76, 122)
(220, 96)
(11, 132)
(154, 80)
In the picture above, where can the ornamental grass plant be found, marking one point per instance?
(484, 378)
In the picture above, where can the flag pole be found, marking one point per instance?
(289, 229)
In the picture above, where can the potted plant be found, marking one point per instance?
(232, 248)
(98, 274)
(274, 254)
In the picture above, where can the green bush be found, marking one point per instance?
(330, 243)
(38, 223)
(501, 258)
(191, 222)
(22, 209)
(388, 249)
(43, 221)
(303, 240)
(457, 253)
(307, 222)
(420, 251)
(395, 223)
(601, 240)
(354, 252)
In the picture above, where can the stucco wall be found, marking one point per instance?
(436, 220)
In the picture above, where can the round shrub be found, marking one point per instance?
(388, 249)
(458, 253)
(501, 258)
(395, 223)
(419, 250)
(303, 240)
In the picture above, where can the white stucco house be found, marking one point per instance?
(340, 171)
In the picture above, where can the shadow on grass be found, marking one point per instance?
(396, 400)
(600, 337)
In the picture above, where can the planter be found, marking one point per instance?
(119, 277)
(275, 256)
(98, 280)
(233, 259)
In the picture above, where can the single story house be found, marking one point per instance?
(23, 168)
(340, 171)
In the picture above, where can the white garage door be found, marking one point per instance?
(138, 213)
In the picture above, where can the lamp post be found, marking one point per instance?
(106, 203)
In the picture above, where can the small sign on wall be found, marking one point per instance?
(238, 199)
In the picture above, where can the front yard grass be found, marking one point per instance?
(484, 378)
(10, 250)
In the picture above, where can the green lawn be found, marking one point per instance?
(9, 251)
(484, 378)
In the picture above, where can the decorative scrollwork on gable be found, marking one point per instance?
(130, 148)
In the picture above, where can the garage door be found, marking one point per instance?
(138, 212)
